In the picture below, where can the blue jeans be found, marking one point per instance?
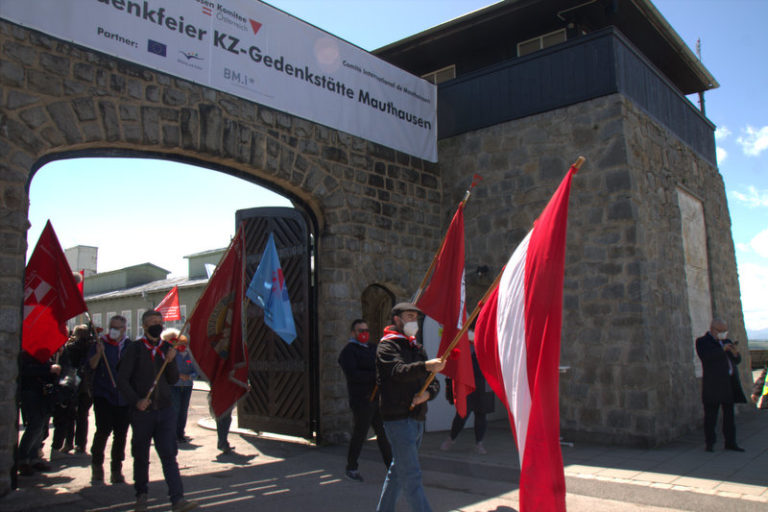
(404, 473)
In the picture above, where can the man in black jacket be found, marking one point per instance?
(358, 360)
(720, 384)
(152, 417)
(402, 369)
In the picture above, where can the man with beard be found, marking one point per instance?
(151, 413)
(402, 369)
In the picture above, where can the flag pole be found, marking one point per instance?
(462, 332)
(432, 266)
(103, 354)
(182, 340)
(576, 165)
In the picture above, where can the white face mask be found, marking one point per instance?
(114, 334)
(722, 335)
(411, 328)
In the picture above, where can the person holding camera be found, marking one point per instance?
(36, 392)
(70, 419)
(720, 384)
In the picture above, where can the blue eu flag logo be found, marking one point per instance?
(156, 48)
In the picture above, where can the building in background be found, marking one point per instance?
(524, 88)
(131, 291)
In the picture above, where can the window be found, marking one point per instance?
(97, 320)
(441, 75)
(127, 315)
(541, 42)
(139, 327)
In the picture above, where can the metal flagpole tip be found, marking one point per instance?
(579, 162)
(77, 277)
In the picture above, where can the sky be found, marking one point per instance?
(163, 212)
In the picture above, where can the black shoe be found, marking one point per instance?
(709, 448)
(734, 448)
(43, 467)
(354, 474)
(182, 439)
(97, 473)
(26, 470)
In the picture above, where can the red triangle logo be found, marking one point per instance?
(255, 25)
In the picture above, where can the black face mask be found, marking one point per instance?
(155, 330)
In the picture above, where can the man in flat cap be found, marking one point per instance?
(402, 369)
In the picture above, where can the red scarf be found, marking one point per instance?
(390, 333)
(106, 339)
(153, 349)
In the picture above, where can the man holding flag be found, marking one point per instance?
(401, 371)
(51, 297)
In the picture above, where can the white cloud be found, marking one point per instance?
(754, 141)
(759, 243)
(722, 132)
(753, 281)
(743, 247)
(753, 197)
(722, 154)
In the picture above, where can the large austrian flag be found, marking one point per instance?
(517, 341)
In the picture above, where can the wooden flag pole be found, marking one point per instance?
(461, 333)
(103, 354)
(182, 340)
(579, 162)
(432, 266)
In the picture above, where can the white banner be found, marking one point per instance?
(254, 51)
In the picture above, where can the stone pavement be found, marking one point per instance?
(272, 473)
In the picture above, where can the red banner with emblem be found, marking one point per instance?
(215, 330)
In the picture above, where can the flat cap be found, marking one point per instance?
(405, 306)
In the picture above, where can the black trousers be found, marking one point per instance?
(481, 425)
(158, 426)
(710, 422)
(367, 415)
(109, 419)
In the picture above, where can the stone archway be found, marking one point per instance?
(373, 205)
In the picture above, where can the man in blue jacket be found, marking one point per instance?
(109, 408)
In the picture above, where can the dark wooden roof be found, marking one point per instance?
(490, 35)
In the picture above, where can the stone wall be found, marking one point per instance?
(626, 328)
(377, 210)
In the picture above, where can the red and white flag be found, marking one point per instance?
(169, 306)
(216, 331)
(517, 341)
(51, 297)
(444, 301)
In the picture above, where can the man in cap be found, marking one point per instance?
(402, 369)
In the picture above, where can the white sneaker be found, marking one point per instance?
(479, 448)
(447, 444)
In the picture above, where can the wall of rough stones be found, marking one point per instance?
(377, 210)
(626, 328)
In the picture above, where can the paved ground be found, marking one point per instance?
(270, 473)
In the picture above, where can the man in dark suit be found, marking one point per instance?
(720, 385)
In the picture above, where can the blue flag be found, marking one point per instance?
(268, 291)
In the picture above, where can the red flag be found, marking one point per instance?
(169, 306)
(51, 297)
(518, 348)
(80, 281)
(215, 330)
(444, 300)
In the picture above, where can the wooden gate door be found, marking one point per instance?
(284, 385)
